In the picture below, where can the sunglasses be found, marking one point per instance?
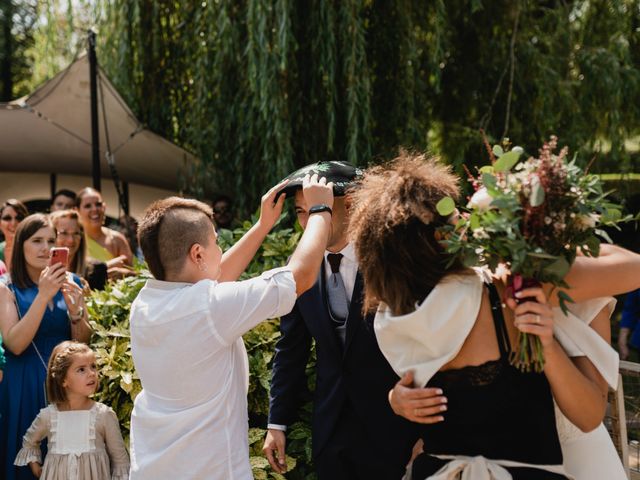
(8, 218)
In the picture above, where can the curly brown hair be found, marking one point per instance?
(393, 227)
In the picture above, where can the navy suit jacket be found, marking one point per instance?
(358, 373)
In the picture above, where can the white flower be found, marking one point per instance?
(480, 200)
(588, 221)
(480, 233)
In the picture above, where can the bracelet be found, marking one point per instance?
(77, 316)
(320, 208)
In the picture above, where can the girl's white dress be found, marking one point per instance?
(82, 445)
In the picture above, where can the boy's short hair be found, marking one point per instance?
(168, 230)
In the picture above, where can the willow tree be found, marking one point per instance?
(256, 88)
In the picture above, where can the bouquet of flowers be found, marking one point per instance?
(532, 216)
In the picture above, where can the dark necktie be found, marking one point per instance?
(337, 296)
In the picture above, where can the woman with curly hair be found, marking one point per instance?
(448, 325)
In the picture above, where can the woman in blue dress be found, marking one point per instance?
(40, 306)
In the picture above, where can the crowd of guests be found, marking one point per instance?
(413, 377)
(42, 305)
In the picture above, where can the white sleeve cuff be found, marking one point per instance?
(275, 426)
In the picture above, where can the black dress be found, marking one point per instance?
(496, 411)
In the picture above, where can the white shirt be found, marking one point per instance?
(190, 421)
(348, 271)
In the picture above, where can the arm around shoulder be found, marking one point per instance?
(614, 272)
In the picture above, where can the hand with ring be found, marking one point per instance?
(534, 317)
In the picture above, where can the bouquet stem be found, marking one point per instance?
(527, 354)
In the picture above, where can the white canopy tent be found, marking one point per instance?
(49, 133)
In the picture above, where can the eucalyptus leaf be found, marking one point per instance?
(489, 181)
(506, 161)
(446, 206)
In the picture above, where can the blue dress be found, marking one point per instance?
(22, 392)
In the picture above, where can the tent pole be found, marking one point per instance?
(95, 135)
(125, 194)
(52, 184)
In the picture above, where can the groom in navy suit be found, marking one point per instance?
(355, 433)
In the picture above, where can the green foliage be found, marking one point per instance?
(258, 88)
(17, 20)
(109, 313)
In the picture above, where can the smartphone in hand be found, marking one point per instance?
(59, 255)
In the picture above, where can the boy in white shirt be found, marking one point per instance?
(190, 420)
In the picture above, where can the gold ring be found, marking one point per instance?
(415, 412)
(537, 318)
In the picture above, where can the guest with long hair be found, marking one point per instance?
(41, 305)
(70, 234)
(12, 212)
(103, 244)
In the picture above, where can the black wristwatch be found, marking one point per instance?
(320, 208)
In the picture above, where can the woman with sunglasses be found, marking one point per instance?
(41, 305)
(103, 244)
(12, 212)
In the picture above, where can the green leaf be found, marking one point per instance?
(558, 269)
(498, 151)
(486, 169)
(506, 161)
(474, 221)
(563, 299)
(489, 181)
(603, 234)
(446, 206)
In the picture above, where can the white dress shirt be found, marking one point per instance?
(190, 421)
(348, 271)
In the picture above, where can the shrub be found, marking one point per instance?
(109, 313)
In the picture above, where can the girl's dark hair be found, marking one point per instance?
(393, 225)
(59, 362)
(26, 229)
(17, 205)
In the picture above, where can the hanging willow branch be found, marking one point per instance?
(257, 88)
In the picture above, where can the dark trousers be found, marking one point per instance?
(349, 455)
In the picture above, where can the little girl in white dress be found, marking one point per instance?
(84, 439)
